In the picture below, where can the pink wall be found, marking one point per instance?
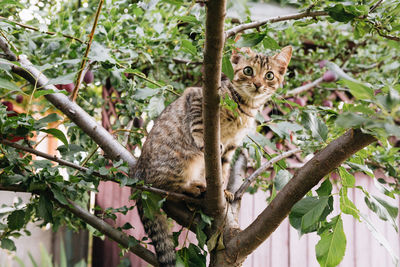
(284, 247)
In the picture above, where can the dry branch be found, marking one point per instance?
(303, 181)
(255, 24)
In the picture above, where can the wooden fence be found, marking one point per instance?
(285, 248)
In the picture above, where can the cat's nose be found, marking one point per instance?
(257, 85)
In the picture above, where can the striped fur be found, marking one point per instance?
(172, 157)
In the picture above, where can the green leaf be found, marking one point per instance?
(174, 2)
(359, 90)
(103, 170)
(10, 86)
(284, 128)
(201, 237)
(151, 204)
(64, 79)
(205, 218)
(189, 19)
(330, 249)
(282, 178)
(212, 241)
(143, 93)
(383, 209)
(347, 178)
(346, 205)
(8, 244)
(100, 53)
(16, 220)
(57, 134)
(59, 195)
(380, 238)
(249, 40)
(49, 118)
(45, 208)
(156, 106)
(227, 68)
(343, 13)
(270, 43)
(11, 2)
(227, 102)
(318, 128)
(40, 93)
(306, 213)
(191, 256)
(350, 120)
(325, 188)
(188, 47)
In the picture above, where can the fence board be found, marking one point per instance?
(284, 247)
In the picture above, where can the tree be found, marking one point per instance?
(145, 54)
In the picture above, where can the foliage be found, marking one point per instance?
(137, 53)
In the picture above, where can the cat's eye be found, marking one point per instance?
(248, 71)
(269, 75)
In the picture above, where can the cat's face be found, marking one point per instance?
(256, 76)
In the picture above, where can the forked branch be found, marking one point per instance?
(239, 193)
(303, 181)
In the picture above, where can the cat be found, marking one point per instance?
(172, 155)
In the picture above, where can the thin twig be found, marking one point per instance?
(89, 44)
(106, 229)
(5, 47)
(303, 88)
(49, 157)
(239, 193)
(372, 9)
(255, 24)
(169, 195)
(38, 30)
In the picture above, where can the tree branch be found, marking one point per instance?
(303, 88)
(38, 30)
(235, 30)
(172, 196)
(6, 48)
(75, 113)
(303, 181)
(212, 82)
(114, 234)
(239, 193)
(106, 229)
(89, 44)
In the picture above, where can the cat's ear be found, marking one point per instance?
(238, 54)
(284, 56)
(235, 58)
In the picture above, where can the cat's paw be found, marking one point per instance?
(195, 188)
(229, 196)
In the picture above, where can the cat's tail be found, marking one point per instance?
(157, 230)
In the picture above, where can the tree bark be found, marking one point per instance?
(214, 44)
(325, 161)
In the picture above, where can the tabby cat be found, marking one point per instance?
(172, 156)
